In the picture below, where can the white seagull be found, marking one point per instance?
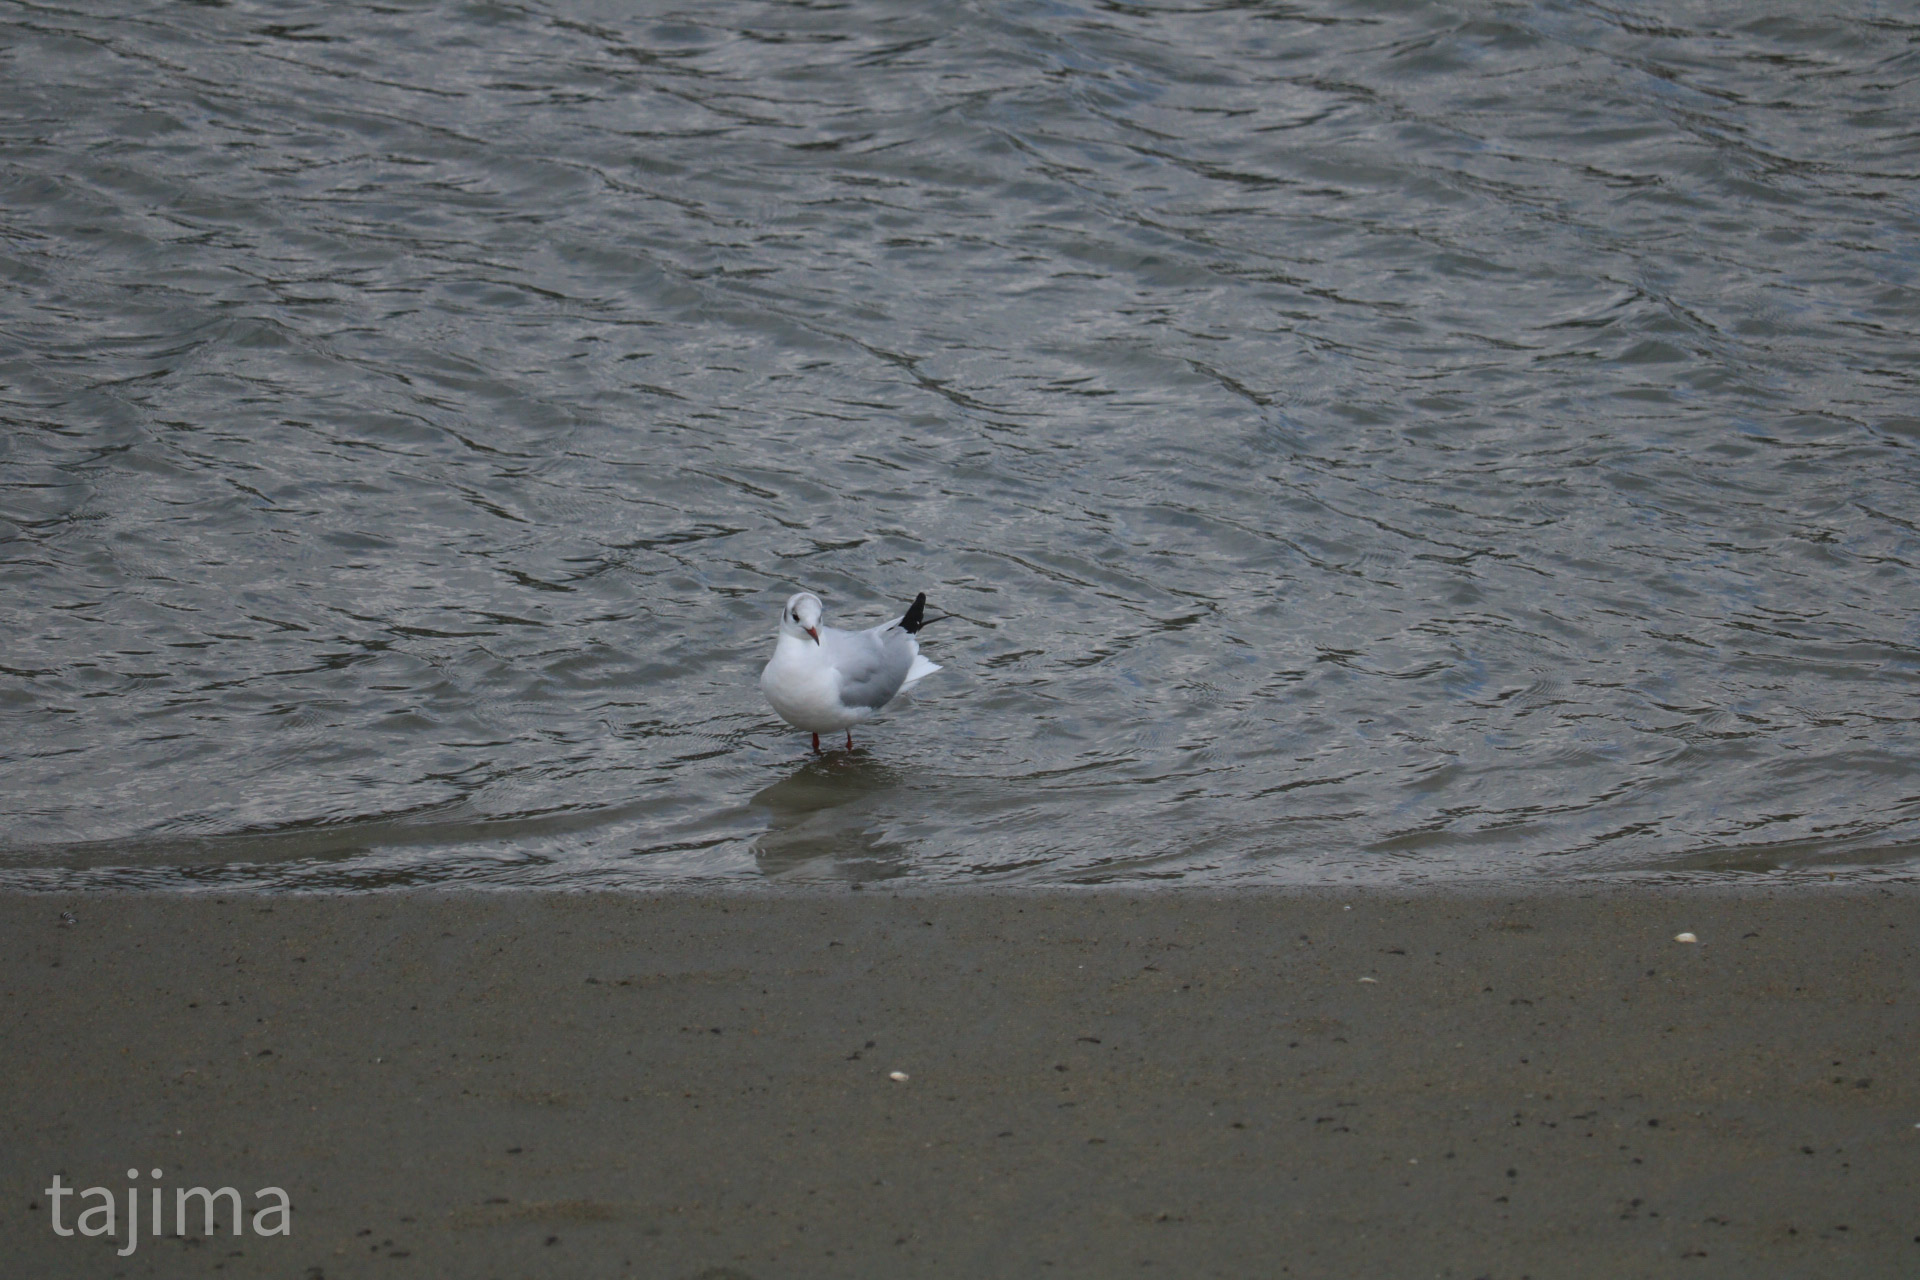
(822, 679)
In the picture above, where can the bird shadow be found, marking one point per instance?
(831, 811)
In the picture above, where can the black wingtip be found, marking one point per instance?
(916, 615)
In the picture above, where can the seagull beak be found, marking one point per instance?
(815, 633)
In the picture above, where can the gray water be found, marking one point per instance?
(1354, 442)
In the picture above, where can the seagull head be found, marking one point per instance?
(802, 616)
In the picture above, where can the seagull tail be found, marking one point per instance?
(915, 617)
(920, 669)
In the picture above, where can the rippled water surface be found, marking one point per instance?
(1371, 442)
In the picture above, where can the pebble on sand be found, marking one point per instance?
(1684, 937)
(901, 1076)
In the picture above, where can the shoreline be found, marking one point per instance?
(1432, 1081)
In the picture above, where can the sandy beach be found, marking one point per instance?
(975, 1084)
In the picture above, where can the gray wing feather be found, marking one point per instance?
(872, 664)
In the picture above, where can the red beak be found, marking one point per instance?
(814, 633)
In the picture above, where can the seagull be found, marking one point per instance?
(822, 678)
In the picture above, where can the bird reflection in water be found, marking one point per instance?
(830, 816)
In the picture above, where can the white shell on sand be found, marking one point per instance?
(1684, 937)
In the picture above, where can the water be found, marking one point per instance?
(1355, 442)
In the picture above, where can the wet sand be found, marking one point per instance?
(1098, 1084)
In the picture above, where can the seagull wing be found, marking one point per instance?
(871, 665)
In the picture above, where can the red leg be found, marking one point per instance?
(816, 744)
(849, 739)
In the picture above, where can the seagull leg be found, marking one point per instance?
(849, 739)
(816, 744)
